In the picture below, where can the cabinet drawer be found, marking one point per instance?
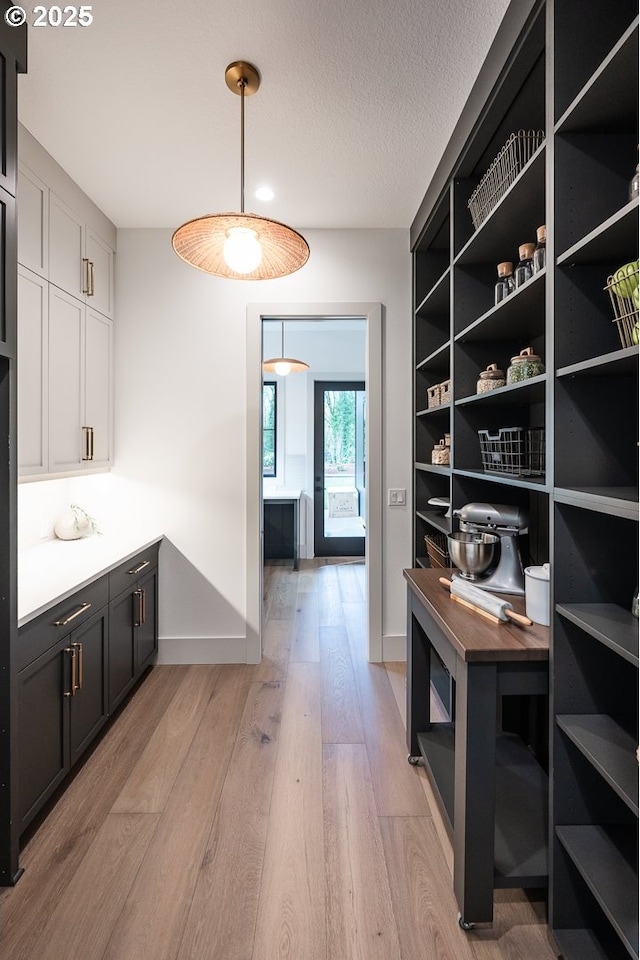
(37, 636)
(124, 576)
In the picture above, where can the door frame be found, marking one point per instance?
(371, 313)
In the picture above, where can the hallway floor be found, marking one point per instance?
(267, 812)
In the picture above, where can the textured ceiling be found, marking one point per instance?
(357, 102)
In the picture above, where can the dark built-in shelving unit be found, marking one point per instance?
(569, 68)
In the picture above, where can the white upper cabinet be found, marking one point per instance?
(67, 441)
(33, 373)
(66, 249)
(99, 264)
(80, 261)
(98, 374)
(33, 222)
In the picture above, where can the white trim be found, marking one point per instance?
(372, 314)
(394, 648)
(201, 650)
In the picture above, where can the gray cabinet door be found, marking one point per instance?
(88, 708)
(122, 659)
(147, 629)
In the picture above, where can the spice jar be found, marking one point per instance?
(524, 270)
(490, 379)
(526, 364)
(505, 284)
(540, 252)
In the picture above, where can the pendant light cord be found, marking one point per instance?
(282, 339)
(242, 83)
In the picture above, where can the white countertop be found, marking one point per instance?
(281, 494)
(56, 568)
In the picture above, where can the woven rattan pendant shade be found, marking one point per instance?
(201, 242)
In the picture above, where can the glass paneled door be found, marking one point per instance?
(339, 468)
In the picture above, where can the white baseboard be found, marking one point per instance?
(394, 648)
(202, 650)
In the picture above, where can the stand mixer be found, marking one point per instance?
(486, 548)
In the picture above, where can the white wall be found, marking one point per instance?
(180, 416)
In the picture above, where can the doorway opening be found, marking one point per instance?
(339, 468)
(367, 464)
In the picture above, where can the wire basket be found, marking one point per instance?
(625, 305)
(511, 160)
(518, 451)
(437, 550)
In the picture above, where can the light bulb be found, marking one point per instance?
(241, 250)
(282, 367)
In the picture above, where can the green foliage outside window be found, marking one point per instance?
(269, 402)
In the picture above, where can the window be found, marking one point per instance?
(269, 411)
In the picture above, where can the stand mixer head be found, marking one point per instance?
(486, 548)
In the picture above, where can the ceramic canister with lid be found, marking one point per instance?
(536, 593)
(490, 379)
(526, 364)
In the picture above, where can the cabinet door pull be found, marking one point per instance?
(80, 671)
(74, 684)
(143, 605)
(72, 616)
(90, 443)
(85, 282)
(141, 566)
(91, 284)
(87, 452)
(138, 621)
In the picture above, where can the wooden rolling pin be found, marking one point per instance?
(486, 604)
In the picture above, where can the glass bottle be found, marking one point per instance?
(524, 270)
(505, 284)
(540, 251)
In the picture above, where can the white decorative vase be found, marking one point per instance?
(72, 524)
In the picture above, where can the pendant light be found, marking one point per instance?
(283, 365)
(241, 246)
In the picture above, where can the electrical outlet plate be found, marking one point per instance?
(397, 497)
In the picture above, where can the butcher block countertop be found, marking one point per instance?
(473, 637)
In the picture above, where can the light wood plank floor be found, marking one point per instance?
(258, 813)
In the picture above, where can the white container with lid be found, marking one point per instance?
(536, 593)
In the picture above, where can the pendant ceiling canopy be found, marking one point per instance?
(241, 246)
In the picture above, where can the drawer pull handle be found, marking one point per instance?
(141, 566)
(74, 666)
(91, 280)
(85, 284)
(72, 616)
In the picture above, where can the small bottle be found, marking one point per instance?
(540, 251)
(524, 270)
(505, 284)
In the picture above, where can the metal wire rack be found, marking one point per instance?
(511, 159)
(625, 301)
(518, 451)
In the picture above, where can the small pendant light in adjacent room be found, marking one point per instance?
(283, 365)
(241, 246)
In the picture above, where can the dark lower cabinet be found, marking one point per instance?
(133, 631)
(69, 683)
(62, 704)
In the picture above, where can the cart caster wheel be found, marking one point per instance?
(414, 761)
(464, 925)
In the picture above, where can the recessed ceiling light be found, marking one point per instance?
(265, 193)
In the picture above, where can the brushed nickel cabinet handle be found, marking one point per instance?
(143, 605)
(85, 281)
(90, 443)
(74, 686)
(141, 566)
(72, 616)
(92, 288)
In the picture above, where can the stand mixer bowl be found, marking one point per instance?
(473, 553)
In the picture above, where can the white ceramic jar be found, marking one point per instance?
(537, 593)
